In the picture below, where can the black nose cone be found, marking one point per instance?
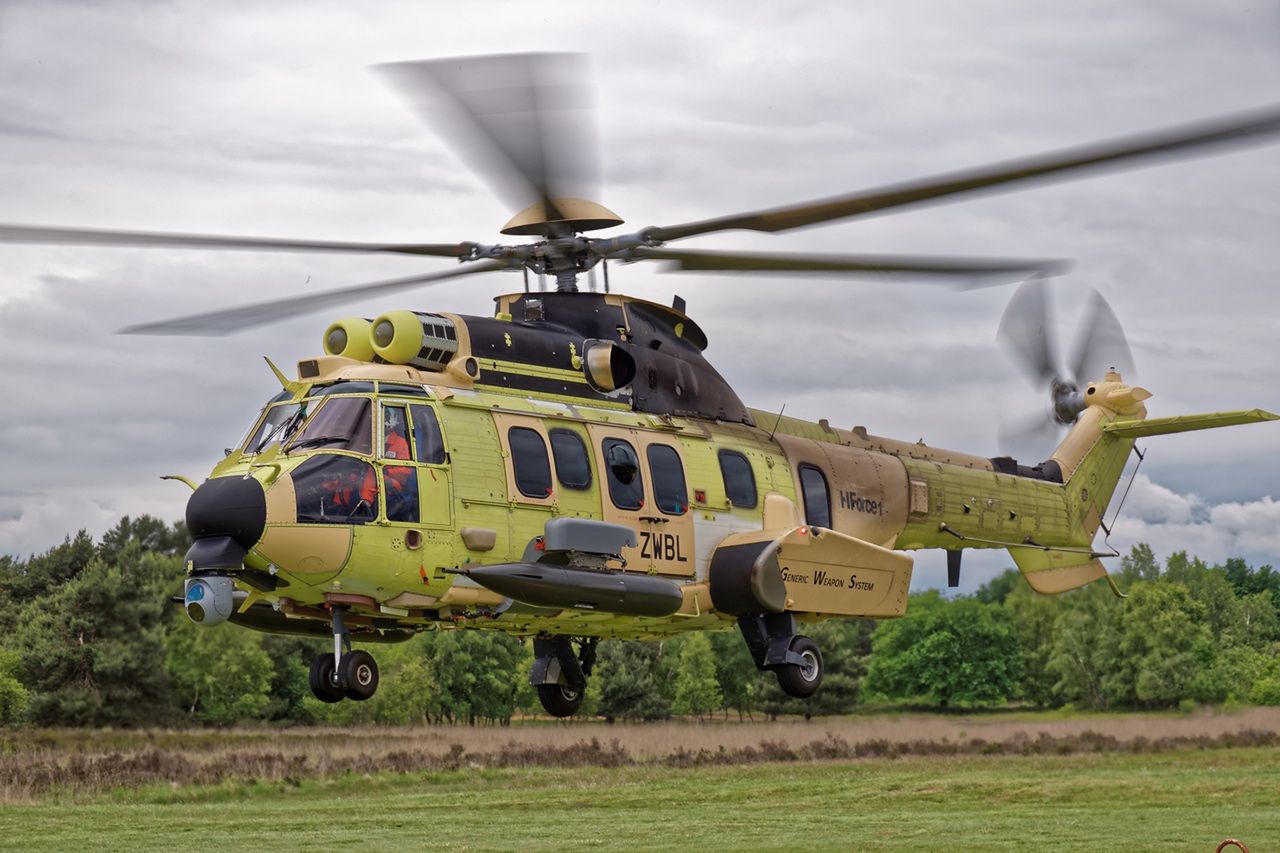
(226, 517)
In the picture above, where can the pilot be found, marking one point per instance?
(396, 443)
(347, 492)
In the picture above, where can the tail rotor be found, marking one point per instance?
(1028, 332)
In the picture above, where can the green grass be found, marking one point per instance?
(1169, 801)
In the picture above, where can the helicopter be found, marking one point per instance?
(573, 468)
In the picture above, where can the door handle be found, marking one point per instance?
(655, 519)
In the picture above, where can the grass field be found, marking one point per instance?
(1168, 801)
(1179, 786)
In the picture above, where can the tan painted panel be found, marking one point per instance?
(504, 421)
(869, 492)
(670, 537)
(1057, 571)
(697, 599)
(838, 574)
(667, 544)
(781, 513)
(1052, 581)
(315, 551)
(282, 501)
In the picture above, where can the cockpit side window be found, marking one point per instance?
(341, 423)
(335, 489)
(426, 435)
(395, 433)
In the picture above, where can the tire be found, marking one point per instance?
(359, 675)
(802, 680)
(559, 700)
(323, 685)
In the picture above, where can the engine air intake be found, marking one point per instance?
(350, 338)
(424, 341)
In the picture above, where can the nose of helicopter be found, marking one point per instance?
(226, 517)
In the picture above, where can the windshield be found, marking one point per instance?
(341, 423)
(280, 423)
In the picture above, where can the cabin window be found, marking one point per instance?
(622, 467)
(570, 452)
(426, 434)
(335, 489)
(817, 499)
(739, 479)
(668, 479)
(530, 463)
(341, 423)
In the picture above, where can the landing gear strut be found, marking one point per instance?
(560, 675)
(343, 674)
(794, 658)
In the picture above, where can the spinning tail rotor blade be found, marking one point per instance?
(1102, 345)
(1249, 128)
(1030, 437)
(1027, 331)
(232, 320)
(524, 122)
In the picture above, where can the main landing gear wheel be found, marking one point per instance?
(801, 680)
(324, 684)
(359, 675)
(559, 700)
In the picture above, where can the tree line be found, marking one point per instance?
(88, 637)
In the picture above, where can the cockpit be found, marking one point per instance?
(365, 446)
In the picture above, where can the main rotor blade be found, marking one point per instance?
(1102, 345)
(1196, 139)
(232, 320)
(524, 121)
(153, 239)
(1027, 331)
(712, 261)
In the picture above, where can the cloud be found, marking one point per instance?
(1171, 522)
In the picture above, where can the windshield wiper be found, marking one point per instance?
(316, 441)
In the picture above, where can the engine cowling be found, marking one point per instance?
(424, 341)
(350, 337)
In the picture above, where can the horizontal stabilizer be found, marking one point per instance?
(1052, 572)
(1186, 423)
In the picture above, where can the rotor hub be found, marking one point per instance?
(565, 216)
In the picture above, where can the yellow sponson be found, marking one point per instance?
(425, 341)
(349, 338)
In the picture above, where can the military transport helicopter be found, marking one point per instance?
(573, 468)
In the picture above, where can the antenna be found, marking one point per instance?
(777, 422)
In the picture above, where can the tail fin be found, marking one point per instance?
(1092, 458)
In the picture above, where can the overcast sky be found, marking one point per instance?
(263, 119)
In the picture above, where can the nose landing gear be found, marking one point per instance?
(343, 673)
